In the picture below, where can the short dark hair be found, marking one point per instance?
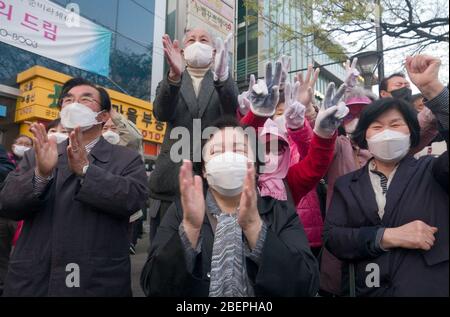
(385, 81)
(416, 97)
(105, 100)
(376, 109)
(23, 136)
(53, 124)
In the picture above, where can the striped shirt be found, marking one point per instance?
(380, 185)
(228, 276)
(40, 183)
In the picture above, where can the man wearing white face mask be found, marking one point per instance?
(198, 86)
(393, 213)
(76, 199)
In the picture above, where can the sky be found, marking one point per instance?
(394, 59)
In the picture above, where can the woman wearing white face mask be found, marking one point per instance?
(393, 212)
(220, 239)
(21, 145)
(57, 131)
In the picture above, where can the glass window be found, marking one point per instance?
(131, 67)
(103, 12)
(148, 4)
(135, 22)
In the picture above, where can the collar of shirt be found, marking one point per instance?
(373, 169)
(380, 184)
(91, 145)
(213, 207)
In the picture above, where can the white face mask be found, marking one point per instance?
(351, 126)
(112, 137)
(389, 146)
(60, 137)
(198, 55)
(19, 150)
(78, 115)
(226, 173)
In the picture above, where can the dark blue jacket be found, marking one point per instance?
(416, 193)
(5, 165)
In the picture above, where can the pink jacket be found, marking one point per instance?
(308, 208)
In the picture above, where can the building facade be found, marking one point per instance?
(259, 42)
(129, 28)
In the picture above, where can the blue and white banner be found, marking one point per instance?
(61, 34)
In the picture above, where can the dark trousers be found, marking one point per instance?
(7, 230)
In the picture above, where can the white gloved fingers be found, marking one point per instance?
(339, 95)
(252, 83)
(328, 100)
(260, 88)
(290, 110)
(275, 96)
(342, 111)
(296, 92)
(354, 63)
(269, 74)
(228, 40)
(218, 45)
(287, 94)
(246, 102)
(327, 114)
(278, 72)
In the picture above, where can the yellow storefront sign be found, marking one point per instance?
(40, 89)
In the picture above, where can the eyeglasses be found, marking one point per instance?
(85, 100)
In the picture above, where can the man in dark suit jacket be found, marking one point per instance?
(76, 199)
(204, 90)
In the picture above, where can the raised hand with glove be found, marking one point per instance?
(305, 94)
(244, 98)
(285, 67)
(332, 112)
(295, 111)
(352, 73)
(221, 69)
(265, 93)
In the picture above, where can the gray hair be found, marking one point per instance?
(187, 30)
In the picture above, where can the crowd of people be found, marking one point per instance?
(284, 196)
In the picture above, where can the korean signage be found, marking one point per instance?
(40, 89)
(47, 29)
(216, 16)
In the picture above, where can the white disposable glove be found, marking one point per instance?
(285, 67)
(244, 98)
(352, 74)
(295, 111)
(265, 95)
(332, 112)
(221, 69)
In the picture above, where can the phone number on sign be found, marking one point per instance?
(18, 38)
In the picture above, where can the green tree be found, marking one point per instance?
(412, 23)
